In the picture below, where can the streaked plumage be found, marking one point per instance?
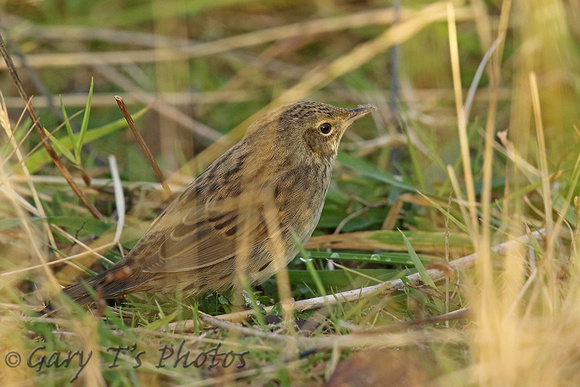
(237, 218)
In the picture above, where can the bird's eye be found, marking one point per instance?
(325, 128)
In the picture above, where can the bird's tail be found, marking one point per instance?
(111, 283)
(81, 292)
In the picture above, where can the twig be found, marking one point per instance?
(143, 145)
(98, 182)
(388, 286)
(43, 136)
(227, 325)
(32, 74)
(458, 314)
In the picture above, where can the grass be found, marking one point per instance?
(484, 187)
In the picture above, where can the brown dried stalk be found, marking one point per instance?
(144, 147)
(36, 122)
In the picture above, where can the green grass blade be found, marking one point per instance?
(7, 224)
(389, 258)
(369, 170)
(40, 157)
(417, 262)
(414, 159)
(60, 147)
(66, 119)
(344, 279)
(309, 266)
(446, 214)
(84, 125)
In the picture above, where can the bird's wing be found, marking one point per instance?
(210, 233)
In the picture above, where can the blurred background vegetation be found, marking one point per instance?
(206, 69)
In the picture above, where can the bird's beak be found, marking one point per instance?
(360, 111)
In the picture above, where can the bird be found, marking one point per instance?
(239, 221)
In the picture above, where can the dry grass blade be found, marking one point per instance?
(5, 123)
(206, 134)
(173, 49)
(119, 198)
(91, 252)
(462, 124)
(545, 176)
(509, 317)
(227, 96)
(34, 244)
(317, 78)
(389, 240)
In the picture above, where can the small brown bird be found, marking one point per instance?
(237, 221)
